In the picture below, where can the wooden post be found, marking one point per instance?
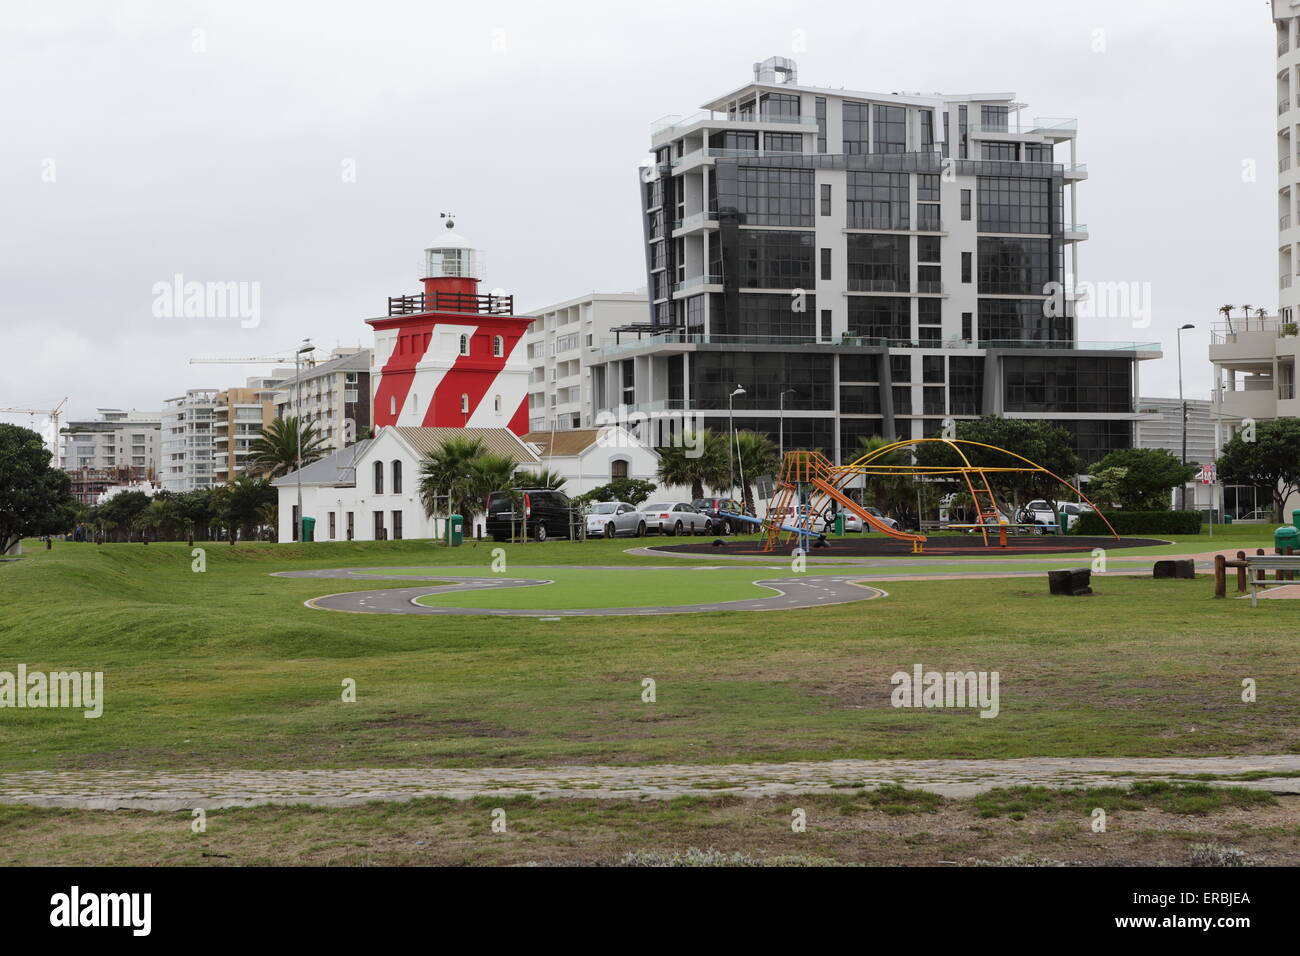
(1241, 572)
(1220, 576)
(1261, 574)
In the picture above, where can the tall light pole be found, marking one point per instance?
(731, 435)
(297, 374)
(784, 393)
(1183, 405)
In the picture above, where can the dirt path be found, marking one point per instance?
(144, 790)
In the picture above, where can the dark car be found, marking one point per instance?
(538, 512)
(722, 512)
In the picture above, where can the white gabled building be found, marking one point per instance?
(370, 491)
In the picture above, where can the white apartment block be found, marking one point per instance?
(117, 439)
(187, 431)
(330, 395)
(560, 345)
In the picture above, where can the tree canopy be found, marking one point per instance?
(35, 499)
(1138, 479)
(1272, 460)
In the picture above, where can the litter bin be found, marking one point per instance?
(1227, 518)
(839, 523)
(1295, 518)
(455, 531)
(1063, 522)
(1286, 537)
(308, 529)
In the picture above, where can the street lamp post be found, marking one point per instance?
(1183, 405)
(784, 393)
(297, 374)
(731, 435)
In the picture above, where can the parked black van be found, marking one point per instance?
(540, 513)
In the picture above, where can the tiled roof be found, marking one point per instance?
(569, 441)
(498, 441)
(335, 469)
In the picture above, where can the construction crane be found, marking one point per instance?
(53, 414)
(251, 360)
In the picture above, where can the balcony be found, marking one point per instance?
(1074, 232)
(879, 285)
(451, 302)
(1051, 127)
(1284, 222)
(1284, 164)
(1283, 105)
(1076, 170)
(671, 126)
(697, 281)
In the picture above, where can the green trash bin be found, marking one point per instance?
(455, 531)
(1227, 518)
(308, 529)
(839, 523)
(1063, 522)
(1295, 518)
(1286, 537)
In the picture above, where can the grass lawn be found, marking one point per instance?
(227, 668)
(1147, 825)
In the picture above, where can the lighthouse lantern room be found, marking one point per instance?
(450, 356)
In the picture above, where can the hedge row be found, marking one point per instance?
(1141, 522)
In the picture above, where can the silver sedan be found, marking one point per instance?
(675, 517)
(609, 519)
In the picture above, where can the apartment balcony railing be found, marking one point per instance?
(932, 288)
(1284, 164)
(609, 347)
(1283, 105)
(674, 122)
(878, 285)
(1043, 125)
(1284, 281)
(903, 223)
(451, 302)
(1283, 45)
(694, 281)
(1075, 169)
(716, 152)
(690, 222)
(1284, 222)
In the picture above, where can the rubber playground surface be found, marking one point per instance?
(873, 546)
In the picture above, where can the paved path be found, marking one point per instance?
(792, 594)
(147, 790)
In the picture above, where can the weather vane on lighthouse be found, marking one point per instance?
(450, 217)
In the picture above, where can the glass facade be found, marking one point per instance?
(878, 263)
(771, 259)
(880, 317)
(1021, 320)
(767, 196)
(1014, 204)
(877, 200)
(1015, 266)
(1067, 383)
(764, 375)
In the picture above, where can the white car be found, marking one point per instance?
(675, 517)
(798, 518)
(609, 519)
(880, 516)
(1040, 512)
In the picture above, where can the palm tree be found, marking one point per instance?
(274, 453)
(1227, 314)
(699, 460)
(542, 478)
(445, 475)
(756, 455)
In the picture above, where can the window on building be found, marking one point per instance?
(775, 196)
(397, 525)
(1014, 204)
(820, 107)
(965, 205)
(618, 468)
(877, 200)
(496, 404)
(856, 128)
(890, 124)
(379, 477)
(397, 477)
(379, 525)
(826, 199)
(464, 345)
(826, 324)
(464, 403)
(826, 263)
(965, 267)
(332, 527)
(963, 127)
(498, 346)
(966, 330)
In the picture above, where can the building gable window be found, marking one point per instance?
(397, 477)
(379, 477)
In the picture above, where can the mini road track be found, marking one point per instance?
(792, 594)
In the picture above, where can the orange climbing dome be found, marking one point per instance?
(809, 477)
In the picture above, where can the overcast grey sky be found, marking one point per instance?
(214, 140)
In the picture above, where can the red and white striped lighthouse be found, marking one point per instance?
(448, 356)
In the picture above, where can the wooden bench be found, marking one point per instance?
(1286, 567)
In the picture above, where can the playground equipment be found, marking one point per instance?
(810, 482)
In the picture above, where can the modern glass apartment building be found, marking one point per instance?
(866, 264)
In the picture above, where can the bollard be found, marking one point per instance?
(1220, 576)
(1241, 572)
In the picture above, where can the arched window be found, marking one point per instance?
(379, 477)
(464, 403)
(496, 403)
(618, 468)
(392, 404)
(397, 477)
(464, 345)
(498, 346)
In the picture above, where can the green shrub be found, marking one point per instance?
(1141, 522)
